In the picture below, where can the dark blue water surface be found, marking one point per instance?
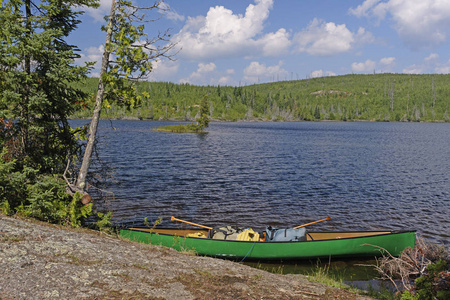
(365, 176)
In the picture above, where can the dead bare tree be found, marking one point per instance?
(126, 57)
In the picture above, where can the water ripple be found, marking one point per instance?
(364, 175)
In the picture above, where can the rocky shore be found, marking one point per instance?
(43, 261)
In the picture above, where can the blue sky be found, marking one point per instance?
(237, 42)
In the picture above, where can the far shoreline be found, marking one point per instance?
(257, 120)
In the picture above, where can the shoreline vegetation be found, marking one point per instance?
(373, 98)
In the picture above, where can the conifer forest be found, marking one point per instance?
(377, 97)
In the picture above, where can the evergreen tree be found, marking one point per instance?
(37, 74)
(203, 121)
(317, 113)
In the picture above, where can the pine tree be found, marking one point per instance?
(203, 121)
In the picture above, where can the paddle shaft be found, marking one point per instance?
(326, 219)
(187, 222)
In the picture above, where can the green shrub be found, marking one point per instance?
(43, 197)
(408, 296)
(77, 211)
(13, 184)
(104, 221)
(47, 199)
(435, 284)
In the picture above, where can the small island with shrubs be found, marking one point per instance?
(202, 122)
(182, 128)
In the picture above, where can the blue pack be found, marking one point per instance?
(285, 235)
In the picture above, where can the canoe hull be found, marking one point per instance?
(369, 245)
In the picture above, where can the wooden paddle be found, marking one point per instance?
(326, 219)
(175, 219)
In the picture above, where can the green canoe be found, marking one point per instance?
(318, 244)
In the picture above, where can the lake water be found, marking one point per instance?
(365, 176)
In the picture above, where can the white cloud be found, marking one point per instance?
(386, 65)
(207, 73)
(91, 54)
(170, 13)
(362, 10)
(205, 68)
(324, 39)
(202, 70)
(414, 69)
(256, 72)
(364, 37)
(98, 14)
(364, 67)
(183, 80)
(430, 64)
(275, 44)
(163, 70)
(203, 75)
(321, 73)
(226, 80)
(95, 53)
(432, 57)
(419, 23)
(330, 73)
(443, 69)
(387, 61)
(221, 33)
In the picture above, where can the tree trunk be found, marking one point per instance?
(81, 181)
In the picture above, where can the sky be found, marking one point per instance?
(238, 42)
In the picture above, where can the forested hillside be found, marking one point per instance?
(378, 97)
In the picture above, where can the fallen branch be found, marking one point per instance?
(411, 264)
